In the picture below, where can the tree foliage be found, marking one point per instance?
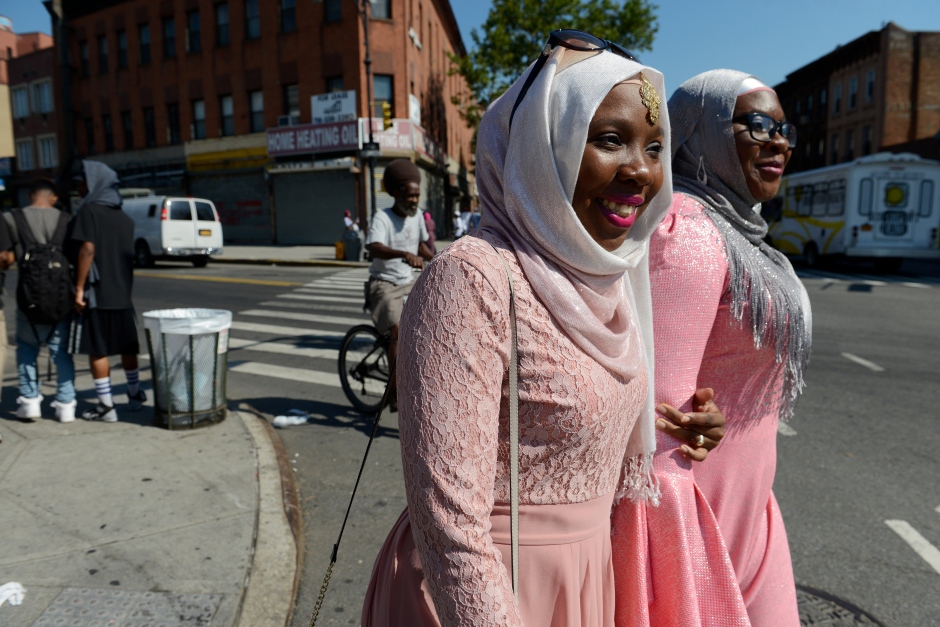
(516, 30)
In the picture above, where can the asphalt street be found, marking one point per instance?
(857, 466)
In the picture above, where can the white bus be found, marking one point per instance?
(884, 207)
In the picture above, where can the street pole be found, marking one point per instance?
(365, 9)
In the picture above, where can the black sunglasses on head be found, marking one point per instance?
(763, 128)
(573, 40)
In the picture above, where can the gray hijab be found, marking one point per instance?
(102, 184)
(706, 166)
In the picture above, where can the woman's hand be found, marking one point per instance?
(701, 430)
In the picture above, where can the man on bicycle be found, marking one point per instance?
(397, 243)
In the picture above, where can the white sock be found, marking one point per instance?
(133, 381)
(103, 388)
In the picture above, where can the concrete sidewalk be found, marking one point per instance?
(126, 524)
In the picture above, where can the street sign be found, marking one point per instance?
(337, 106)
(367, 154)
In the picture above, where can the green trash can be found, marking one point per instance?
(189, 365)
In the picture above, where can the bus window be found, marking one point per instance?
(802, 199)
(926, 199)
(820, 199)
(865, 189)
(837, 198)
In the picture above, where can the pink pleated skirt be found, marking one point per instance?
(566, 576)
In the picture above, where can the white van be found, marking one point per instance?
(168, 227)
(884, 207)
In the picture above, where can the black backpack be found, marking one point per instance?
(45, 292)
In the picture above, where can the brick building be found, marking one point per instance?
(177, 95)
(880, 92)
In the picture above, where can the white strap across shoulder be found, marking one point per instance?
(513, 431)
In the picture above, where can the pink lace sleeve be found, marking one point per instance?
(454, 352)
(688, 269)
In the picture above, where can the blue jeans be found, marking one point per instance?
(27, 351)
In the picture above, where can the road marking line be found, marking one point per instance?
(284, 349)
(912, 284)
(309, 306)
(252, 327)
(326, 299)
(863, 362)
(329, 289)
(217, 279)
(304, 317)
(785, 429)
(919, 543)
(937, 509)
(292, 374)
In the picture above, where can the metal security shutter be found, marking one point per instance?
(243, 202)
(309, 206)
(383, 200)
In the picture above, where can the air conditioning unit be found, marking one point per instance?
(288, 120)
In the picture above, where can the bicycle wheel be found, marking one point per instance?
(363, 367)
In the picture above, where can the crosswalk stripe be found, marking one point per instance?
(330, 289)
(292, 374)
(285, 331)
(356, 309)
(304, 317)
(863, 362)
(928, 552)
(325, 299)
(284, 349)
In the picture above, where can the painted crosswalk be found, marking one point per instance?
(870, 280)
(296, 337)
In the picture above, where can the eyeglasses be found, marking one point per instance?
(573, 40)
(763, 128)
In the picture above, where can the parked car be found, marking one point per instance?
(170, 227)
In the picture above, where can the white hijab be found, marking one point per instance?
(526, 181)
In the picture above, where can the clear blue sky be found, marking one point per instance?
(767, 39)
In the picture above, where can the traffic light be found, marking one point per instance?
(386, 115)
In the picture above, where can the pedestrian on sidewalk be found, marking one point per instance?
(6, 259)
(104, 277)
(44, 300)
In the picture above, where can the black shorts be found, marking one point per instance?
(101, 332)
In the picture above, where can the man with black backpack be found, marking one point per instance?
(44, 297)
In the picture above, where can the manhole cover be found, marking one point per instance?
(820, 608)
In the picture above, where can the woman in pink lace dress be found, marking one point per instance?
(568, 183)
(729, 312)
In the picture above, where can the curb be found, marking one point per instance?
(270, 586)
(293, 262)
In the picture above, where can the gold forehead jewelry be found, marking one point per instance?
(649, 98)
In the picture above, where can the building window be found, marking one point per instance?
(849, 145)
(853, 92)
(870, 86)
(90, 135)
(169, 38)
(252, 20)
(332, 11)
(173, 123)
(837, 98)
(48, 151)
(382, 92)
(128, 130)
(108, 132)
(193, 32)
(143, 33)
(834, 149)
(199, 119)
(42, 97)
(822, 148)
(83, 56)
(809, 103)
(150, 128)
(335, 83)
(291, 100)
(798, 105)
(221, 25)
(102, 55)
(122, 49)
(256, 102)
(381, 9)
(288, 16)
(20, 98)
(228, 116)
(24, 155)
(866, 140)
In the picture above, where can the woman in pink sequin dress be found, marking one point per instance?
(568, 184)
(730, 313)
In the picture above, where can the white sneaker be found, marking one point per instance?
(101, 412)
(29, 407)
(65, 412)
